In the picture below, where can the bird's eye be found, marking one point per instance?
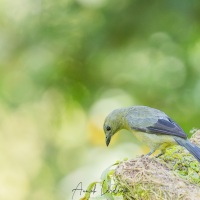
(108, 128)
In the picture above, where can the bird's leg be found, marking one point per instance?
(152, 151)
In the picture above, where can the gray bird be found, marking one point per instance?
(149, 125)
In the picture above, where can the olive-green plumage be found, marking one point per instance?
(151, 126)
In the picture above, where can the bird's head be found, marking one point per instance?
(113, 123)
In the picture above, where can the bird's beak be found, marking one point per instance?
(108, 138)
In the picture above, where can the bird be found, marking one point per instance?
(149, 125)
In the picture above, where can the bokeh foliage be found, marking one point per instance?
(58, 58)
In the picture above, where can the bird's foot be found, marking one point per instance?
(160, 154)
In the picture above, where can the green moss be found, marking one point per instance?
(182, 163)
(140, 193)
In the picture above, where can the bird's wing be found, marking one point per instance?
(166, 127)
(159, 126)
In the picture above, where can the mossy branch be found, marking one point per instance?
(174, 175)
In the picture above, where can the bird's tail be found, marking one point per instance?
(193, 149)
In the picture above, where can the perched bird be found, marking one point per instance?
(149, 125)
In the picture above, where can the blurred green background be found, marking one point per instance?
(64, 65)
